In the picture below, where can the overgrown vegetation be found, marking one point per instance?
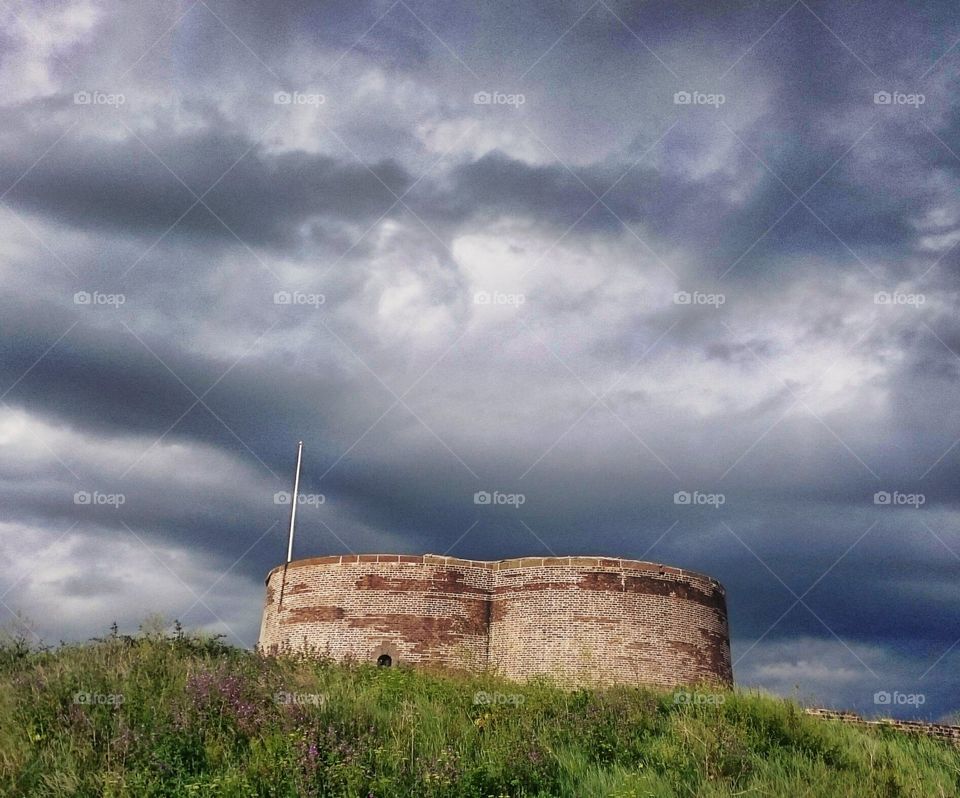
(181, 715)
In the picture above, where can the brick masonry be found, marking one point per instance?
(940, 731)
(583, 620)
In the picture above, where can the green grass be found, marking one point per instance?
(197, 718)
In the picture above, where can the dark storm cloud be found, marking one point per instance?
(119, 384)
(266, 199)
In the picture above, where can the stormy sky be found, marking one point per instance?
(598, 257)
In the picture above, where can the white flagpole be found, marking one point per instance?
(293, 501)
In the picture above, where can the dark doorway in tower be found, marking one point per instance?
(384, 661)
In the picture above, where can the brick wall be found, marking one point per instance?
(577, 619)
(941, 731)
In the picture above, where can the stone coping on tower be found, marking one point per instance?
(575, 561)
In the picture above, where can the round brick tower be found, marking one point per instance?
(577, 619)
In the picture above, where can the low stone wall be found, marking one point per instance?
(941, 731)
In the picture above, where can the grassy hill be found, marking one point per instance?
(159, 716)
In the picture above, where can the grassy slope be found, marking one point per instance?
(201, 719)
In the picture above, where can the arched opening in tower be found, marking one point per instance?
(384, 661)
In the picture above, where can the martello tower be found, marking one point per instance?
(578, 620)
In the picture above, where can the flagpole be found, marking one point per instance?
(293, 502)
(294, 498)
